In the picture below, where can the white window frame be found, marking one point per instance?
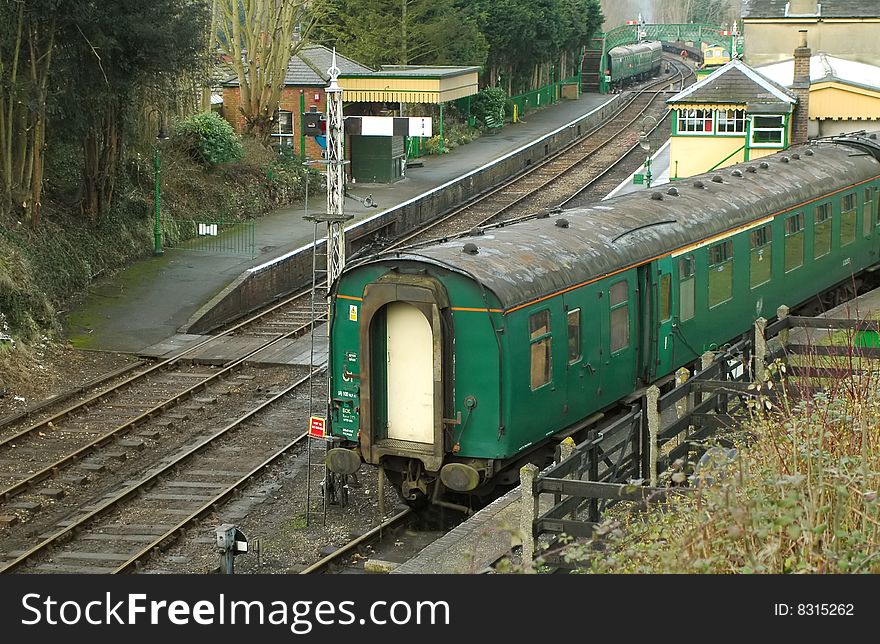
(283, 138)
(684, 117)
(780, 129)
(738, 119)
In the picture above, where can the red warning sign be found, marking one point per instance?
(317, 427)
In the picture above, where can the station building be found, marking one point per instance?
(305, 80)
(844, 94)
(849, 28)
(366, 92)
(733, 115)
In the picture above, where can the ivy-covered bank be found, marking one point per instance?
(44, 272)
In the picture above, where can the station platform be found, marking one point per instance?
(148, 302)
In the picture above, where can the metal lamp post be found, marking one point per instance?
(648, 124)
(157, 223)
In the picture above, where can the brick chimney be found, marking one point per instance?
(801, 86)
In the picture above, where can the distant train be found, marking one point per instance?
(455, 363)
(631, 63)
(715, 56)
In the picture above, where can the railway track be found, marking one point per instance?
(369, 537)
(603, 183)
(143, 516)
(45, 448)
(556, 178)
(99, 422)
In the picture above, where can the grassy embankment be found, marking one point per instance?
(802, 498)
(44, 272)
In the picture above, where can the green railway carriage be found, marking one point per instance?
(629, 63)
(451, 362)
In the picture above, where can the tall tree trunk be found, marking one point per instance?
(209, 72)
(24, 68)
(404, 50)
(259, 44)
(101, 146)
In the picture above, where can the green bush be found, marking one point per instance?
(490, 102)
(208, 139)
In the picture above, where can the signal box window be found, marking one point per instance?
(848, 219)
(618, 301)
(822, 231)
(731, 121)
(539, 336)
(794, 242)
(686, 288)
(720, 273)
(767, 131)
(696, 121)
(867, 212)
(574, 336)
(760, 270)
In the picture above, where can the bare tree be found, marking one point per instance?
(258, 38)
(211, 42)
(25, 56)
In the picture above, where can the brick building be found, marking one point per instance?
(304, 85)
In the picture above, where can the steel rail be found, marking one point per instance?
(354, 543)
(159, 366)
(582, 159)
(66, 395)
(484, 196)
(522, 176)
(150, 479)
(103, 439)
(609, 169)
(514, 220)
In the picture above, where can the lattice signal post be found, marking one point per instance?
(332, 486)
(334, 219)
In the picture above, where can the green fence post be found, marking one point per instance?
(441, 147)
(302, 134)
(157, 224)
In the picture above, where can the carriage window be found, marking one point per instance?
(877, 205)
(720, 273)
(794, 242)
(539, 335)
(618, 301)
(867, 213)
(665, 297)
(762, 256)
(574, 336)
(686, 288)
(848, 219)
(822, 231)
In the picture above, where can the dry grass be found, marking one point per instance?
(803, 498)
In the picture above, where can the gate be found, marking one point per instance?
(215, 236)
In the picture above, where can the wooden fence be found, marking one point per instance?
(621, 461)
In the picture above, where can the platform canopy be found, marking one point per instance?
(410, 84)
